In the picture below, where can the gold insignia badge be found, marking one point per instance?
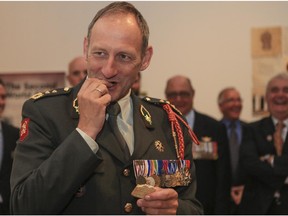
(75, 105)
(66, 89)
(159, 146)
(146, 114)
(37, 95)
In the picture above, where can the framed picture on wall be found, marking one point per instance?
(268, 59)
(266, 42)
(21, 86)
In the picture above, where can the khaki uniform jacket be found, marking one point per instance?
(55, 171)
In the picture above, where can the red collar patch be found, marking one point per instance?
(24, 131)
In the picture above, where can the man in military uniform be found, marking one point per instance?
(68, 159)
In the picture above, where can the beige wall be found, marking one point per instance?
(207, 41)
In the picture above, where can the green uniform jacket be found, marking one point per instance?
(55, 171)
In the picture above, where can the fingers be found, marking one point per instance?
(94, 86)
(162, 201)
(93, 98)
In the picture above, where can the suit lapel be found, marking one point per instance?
(268, 129)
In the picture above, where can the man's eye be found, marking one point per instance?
(274, 90)
(285, 90)
(124, 57)
(98, 54)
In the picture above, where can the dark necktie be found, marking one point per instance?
(113, 110)
(234, 150)
(278, 140)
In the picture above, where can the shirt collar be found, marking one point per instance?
(228, 122)
(275, 121)
(125, 104)
(190, 116)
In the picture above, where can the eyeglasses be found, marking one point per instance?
(181, 94)
(233, 100)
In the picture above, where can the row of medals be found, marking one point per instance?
(181, 177)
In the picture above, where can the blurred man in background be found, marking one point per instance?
(8, 137)
(264, 155)
(230, 105)
(212, 168)
(77, 70)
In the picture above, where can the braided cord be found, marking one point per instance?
(175, 126)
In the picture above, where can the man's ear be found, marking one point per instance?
(85, 47)
(147, 58)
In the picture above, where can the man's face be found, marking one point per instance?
(277, 98)
(232, 105)
(114, 53)
(179, 93)
(2, 99)
(77, 71)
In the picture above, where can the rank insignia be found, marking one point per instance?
(146, 114)
(66, 89)
(24, 129)
(37, 95)
(159, 146)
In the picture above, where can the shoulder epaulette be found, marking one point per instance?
(157, 101)
(49, 93)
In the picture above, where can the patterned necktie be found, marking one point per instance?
(113, 111)
(278, 140)
(234, 150)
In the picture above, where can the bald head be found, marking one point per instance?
(77, 70)
(179, 91)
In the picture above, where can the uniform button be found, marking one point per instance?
(128, 207)
(126, 172)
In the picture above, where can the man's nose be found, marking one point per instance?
(109, 68)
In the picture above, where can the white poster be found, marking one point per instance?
(21, 86)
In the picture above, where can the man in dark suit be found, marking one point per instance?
(230, 105)
(265, 155)
(8, 137)
(212, 168)
(85, 150)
